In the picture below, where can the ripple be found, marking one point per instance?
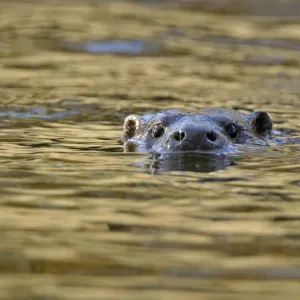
(40, 113)
(120, 47)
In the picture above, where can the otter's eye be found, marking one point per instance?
(231, 130)
(157, 131)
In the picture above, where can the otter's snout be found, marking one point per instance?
(193, 137)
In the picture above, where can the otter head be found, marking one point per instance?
(207, 131)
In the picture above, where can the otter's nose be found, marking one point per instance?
(199, 137)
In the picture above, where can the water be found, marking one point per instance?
(122, 47)
(80, 219)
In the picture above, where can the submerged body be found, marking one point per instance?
(208, 130)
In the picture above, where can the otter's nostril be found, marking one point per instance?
(179, 136)
(211, 136)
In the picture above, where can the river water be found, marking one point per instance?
(79, 218)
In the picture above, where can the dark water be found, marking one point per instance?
(80, 219)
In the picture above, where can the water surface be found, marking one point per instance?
(80, 219)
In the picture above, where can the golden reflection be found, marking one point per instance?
(81, 219)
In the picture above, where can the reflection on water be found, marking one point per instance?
(81, 219)
(39, 113)
(125, 47)
(192, 162)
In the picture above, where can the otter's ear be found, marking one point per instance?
(132, 124)
(261, 123)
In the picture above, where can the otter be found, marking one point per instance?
(209, 130)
